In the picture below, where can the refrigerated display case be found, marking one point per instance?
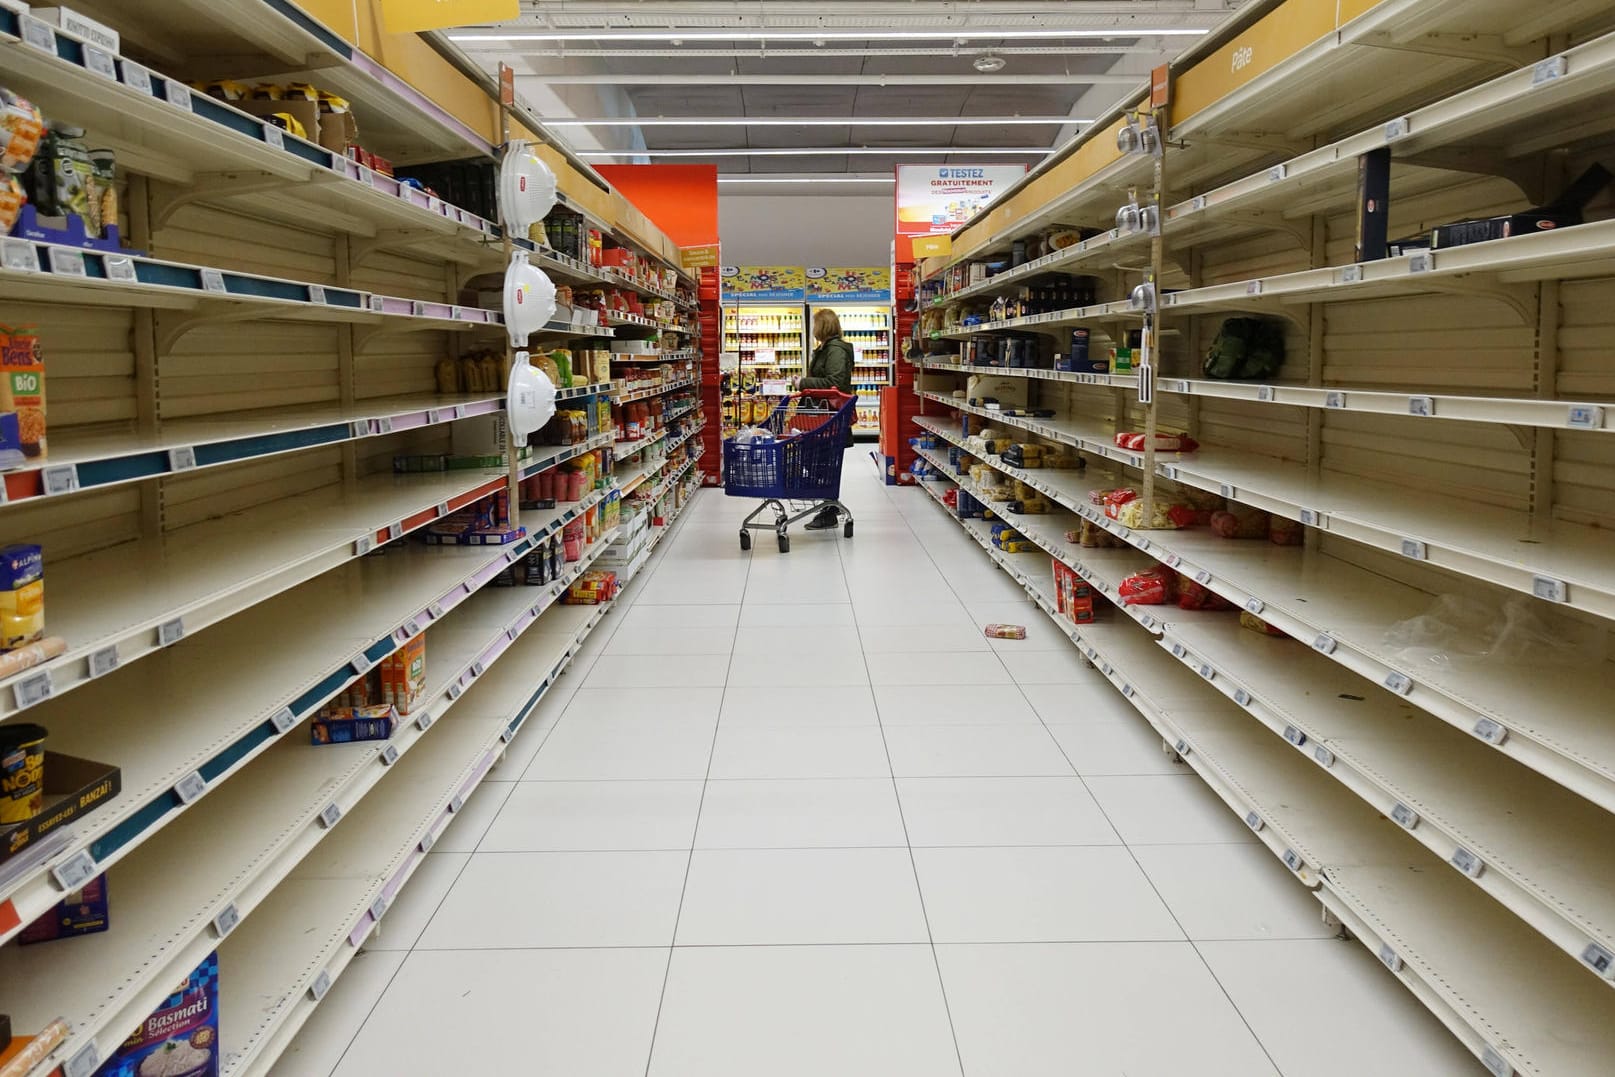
(868, 328)
(769, 341)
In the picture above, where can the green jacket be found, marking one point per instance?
(831, 367)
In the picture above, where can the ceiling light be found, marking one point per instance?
(814, 121)
(834, 151)
(825, 35)
(989, 63)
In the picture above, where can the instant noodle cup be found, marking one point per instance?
(22, 772)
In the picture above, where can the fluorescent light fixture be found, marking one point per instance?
(816, 121)
(833, 151)
(960, 35)
(815, 180)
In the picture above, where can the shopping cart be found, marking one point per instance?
(796, 468)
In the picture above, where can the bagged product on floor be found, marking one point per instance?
(1005, 631)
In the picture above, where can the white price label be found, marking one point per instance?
(1226, 490)
(33, 690)
(1334, 400)
(119, 267)
(226, 921)
(389, 755)
(1255, 605)
(477, 668)
(1173, 560)
(75, 871)
(283, 719)
(361, 663)
(1468, 863)
(1253, 287)
(1324, 756)
(103, 661)
(456, 803)
(1276, 173)
(136, 77)
(378, 907)
(1197, 203)
(1127, 690)
(171, 632)
(1389, 958)
(1400, 683)
(378, 304)
(213, 281)
(182, 458)
(1312, 518)
(1203, 578)
(1177, 650)
(411, 628)
(177, 94)
(330, 815)
(1351, 274)
(424, 722)
(1295, 736)
(19, 256)
(395, 531)
(1598, 959)
(321, 985)
(363, 546)
(316, 294)
(38, 34)
(1424, 406)
(190, 787)
(1181, 747)
(85, 1061)
(274, 137)
(427, 842)
(1415, 550)
(1492, 732)
(418, 308)
(61, 479)
(65, 261)
(1398, 128)
(1324, 644)
(1293, 861)
(507, 736)
(1404, 816)
(434, 416)
(1422, 262)
(1254, 821)
(436, 610)
(1493, 1060)
(456, 690)
(1549, 589)
(1208, 672)
(1554, 67)
(1585, 417)
(1264, 393)
(100, 62)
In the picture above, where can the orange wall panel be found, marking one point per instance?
(681, 200)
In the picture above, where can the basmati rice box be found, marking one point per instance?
(181, 1037)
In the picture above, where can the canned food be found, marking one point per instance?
(22, 772)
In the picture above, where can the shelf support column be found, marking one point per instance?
(1317, 257)
(346, 374)
(148, 359)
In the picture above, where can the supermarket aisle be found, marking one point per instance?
(794, 815)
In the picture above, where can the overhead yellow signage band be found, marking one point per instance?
(415, 16)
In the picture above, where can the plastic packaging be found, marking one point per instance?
(1004, 631)
(1153, 587)
(1460, 630)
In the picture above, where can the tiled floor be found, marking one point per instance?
(793, 815)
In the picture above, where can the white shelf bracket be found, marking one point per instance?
(361, 250)
(1520, 298)
(171, 328)
(1486, 48)
(168, 199)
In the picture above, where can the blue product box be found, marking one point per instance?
(80, 912)
(20, 565)
(184, 1031)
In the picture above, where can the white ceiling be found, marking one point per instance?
(626, 59)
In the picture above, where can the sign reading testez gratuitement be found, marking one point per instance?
(939, 198)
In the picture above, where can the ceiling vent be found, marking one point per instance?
(988, 64)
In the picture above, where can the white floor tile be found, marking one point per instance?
(583, 1013)
(1167, 810)
(796, 642)
(974, 751)
(325, 1036)
(418, 902)
(799, 752)
(908, 611)
(673, 588)
(1002, 811)
(978, 667)
(1133, 1009)
(797, 673)
(921, 639)
(471, 822)
(1124, 747)
(803, 1011)
(1081, 893)
(647, 704)
(1061, 704)
(799, 614)
(1052, 667)
(838, 813)
(520, 900)
(641, 615)
(765, 897)
(653, 640)
(605, 748)
(1232, 892)
(657, 671)
(825, 705)
(595, 816)
(1389, 1032)
(952, 704)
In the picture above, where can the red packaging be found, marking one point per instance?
(1193, 595)
(1150, 588)
(572, 541)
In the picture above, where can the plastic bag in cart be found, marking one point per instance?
(753, 435)
(1462, 629)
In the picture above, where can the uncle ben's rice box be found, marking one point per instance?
(181, 1037)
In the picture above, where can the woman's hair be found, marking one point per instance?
(826, 326)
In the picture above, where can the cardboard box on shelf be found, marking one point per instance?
(183, 1030)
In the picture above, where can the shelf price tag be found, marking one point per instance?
(213, 281)
(85, 1061)
(182, 458)
(1351, 274)
(1421, 262)
(1312, 518)
(1264, 393)
(1255, 605)
(1254, 821)
(190, 787)
(38, 33)
(1389, 957)
(177, 94)
(171, 632)
(274, 137)
(361, 663)
(1468, 863)
(1492, 732)
(316, 294)
(1324, 644)
(330, 815)
(283, 719)
(456, 803)
(1423, 406)
(61, 479)
(1549, 589)
(1293, 861)
(1295, 736)
(135, 77)
(1242, 697)
(378, 907)
(66, 261)
(1415, 550)
(321, 985)
(424, 722)
(456, 690)
(33, 690)
(1208, 672)
(378, 304)
(1554, 67)
(75, 871)
(1334, 400)
(1181, 747)
(1323, 755)
(226, 921)
(1276, 173)
(1495, 1063)
(103, 661)
(1404, 816)
(1598, 959)
(1400, 683)
(100, 62)
(364, 545)
(1585, 417)
(120, 267)
(19, 256)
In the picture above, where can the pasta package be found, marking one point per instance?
(1249, 620)
(1153, 587)
(1240, 522)
(1163, 442)
(1165, 516)
(1194, 595)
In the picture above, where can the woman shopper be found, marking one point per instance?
(830, 368)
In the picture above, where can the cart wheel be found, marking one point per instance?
(745, 540)
(784, 543)
(847, 529)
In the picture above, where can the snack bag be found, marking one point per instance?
(1240, 522)
(1194, 595)
(1249, 620)
(1152, 587)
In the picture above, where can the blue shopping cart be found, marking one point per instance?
(796, 466)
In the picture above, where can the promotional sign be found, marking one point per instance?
(939, 198)
(698, 257)
(764, 284)
(933, 246)
(850, 284)
(416, 16)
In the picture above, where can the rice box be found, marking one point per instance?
(181, 1037)
(85, 911)
(349, 724)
